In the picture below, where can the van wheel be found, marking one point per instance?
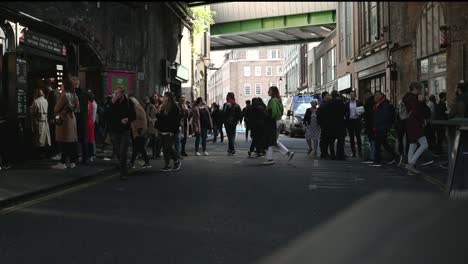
(292, 133)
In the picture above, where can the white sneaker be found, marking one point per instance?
(411, 168)
(206, 153)
(72, 165)
(197, 153)
(59, 166)
(57, 157)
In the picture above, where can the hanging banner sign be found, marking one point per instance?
(43, 42)
(119, 79)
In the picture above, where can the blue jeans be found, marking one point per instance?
(178, 138)
(203, 134)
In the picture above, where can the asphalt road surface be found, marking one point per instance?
(216, 209)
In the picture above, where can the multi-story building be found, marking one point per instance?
(291, 69)
(298, 74)
(248, 73)
(383, 46)
(325, 64)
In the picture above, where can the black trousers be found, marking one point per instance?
(70, 151)
(324, 144)
(139, 147)
(121, 140)
(258, 142)
(168, 145)
(231, 134)
(354, 130)
(381, 140)
(401, 134)
(441, 138)
(339, 148)
(218, 128)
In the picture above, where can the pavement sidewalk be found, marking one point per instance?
(35, 176)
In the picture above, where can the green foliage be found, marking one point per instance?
(203, 19)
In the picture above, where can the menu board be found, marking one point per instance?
(21, 85)
(43, 42)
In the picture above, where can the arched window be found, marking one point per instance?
(432, 60)
(3, 40)
(427, 37)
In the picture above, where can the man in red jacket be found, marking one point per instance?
(415, 123)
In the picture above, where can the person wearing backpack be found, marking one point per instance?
(415, 126)
(232, 115)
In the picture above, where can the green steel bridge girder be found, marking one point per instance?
(275, 23)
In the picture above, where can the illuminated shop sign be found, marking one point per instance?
(43, 42)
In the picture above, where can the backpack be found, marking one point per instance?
(232, 113)
(402, 111)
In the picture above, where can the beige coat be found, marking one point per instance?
(67, 131)
(40, 126)
(151, 116)
(140, 121)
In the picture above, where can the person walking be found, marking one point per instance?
(40, 125)
(368, 117)
(312, 134)
(275, 112)
(353, 120)
(65, 129)
(459, 107)
(151, 113)
(91, 136)
(82, 119)
(184, 124)
(201, 123)
(245, 117)
(441, 114)
(415, 126)
(337, 113)
(257, 118)
(122, 115)
(217, 118)
(384, 116)
(430, 115)
(139, 130)
(168, 122)
(232, 115)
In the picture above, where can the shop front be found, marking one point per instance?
(30, 56)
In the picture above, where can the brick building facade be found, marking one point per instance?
(248, 73)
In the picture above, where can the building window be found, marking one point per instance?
(331, 65)
(279, 70)
(258, 70)
(269, 71)
(342, 30)
(252, 55)
(322, 73)
(371, 22)
(247, 71)
(349, 30)
(273, 84)
(273, 54)
(247, 89)
(258, 89)
(428, 32)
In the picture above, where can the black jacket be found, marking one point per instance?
(232, 114)
(368, 115)
(217, 117)
(384, 116)
(169, 122)
(441, 109)
(119, 111)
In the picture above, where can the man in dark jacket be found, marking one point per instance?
(82, 119)
(122, 114)
(368, 117)
(337, 124)
(384, 116)
(324, 121)
(232, 114)
(217, 117)
(353, 120)
(441, 114)
(245, 116)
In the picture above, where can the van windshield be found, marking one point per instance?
(301, 103)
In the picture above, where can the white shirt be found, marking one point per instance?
(352, 110)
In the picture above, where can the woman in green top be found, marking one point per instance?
(275, 111)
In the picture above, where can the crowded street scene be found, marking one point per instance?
(233, 132)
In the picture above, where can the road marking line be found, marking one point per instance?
(55, 195)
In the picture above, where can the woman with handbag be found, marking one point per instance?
(139, 131)
(65, 130)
